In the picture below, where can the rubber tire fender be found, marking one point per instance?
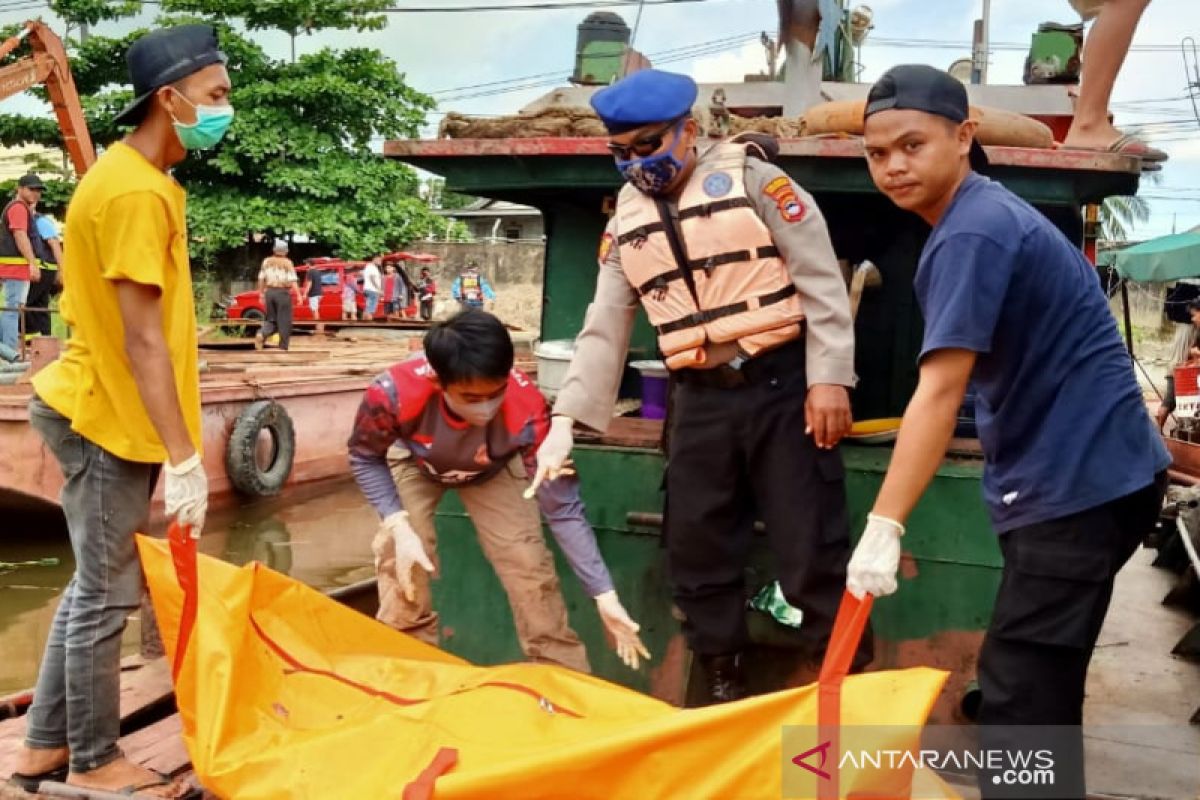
(241, 462)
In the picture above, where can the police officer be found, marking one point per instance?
(733, 264)
(1074, 472)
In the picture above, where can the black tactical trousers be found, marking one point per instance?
(1054, 594)
(738, 454)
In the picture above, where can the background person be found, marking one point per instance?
(49, 251)
(1103, 54)
(19, 266)
(471, 289)
(314, 289)
(372, 286)
(278, 286)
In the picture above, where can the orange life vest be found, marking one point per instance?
(743, 291)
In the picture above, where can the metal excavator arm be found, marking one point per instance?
(49, 65)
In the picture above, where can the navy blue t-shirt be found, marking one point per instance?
(1060, 415)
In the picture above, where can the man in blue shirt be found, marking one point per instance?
(1074, 471)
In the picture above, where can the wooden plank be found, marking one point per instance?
(268, 356)
(626, 432)
(142, 686)
(159, 746)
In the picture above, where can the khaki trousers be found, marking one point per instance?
(509, 528)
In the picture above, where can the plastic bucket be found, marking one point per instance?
(654, 388)
(554, 358)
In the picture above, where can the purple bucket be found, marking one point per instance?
(654, 388)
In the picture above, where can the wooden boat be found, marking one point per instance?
(318, 383)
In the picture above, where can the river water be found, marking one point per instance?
(320, 535)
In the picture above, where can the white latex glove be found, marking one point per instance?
(409, 551)
(187, 493)
(623, 629)
(873, 566)
(553, 455)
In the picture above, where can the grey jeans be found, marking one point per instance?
(106, 500)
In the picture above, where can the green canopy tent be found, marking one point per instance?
(1161, 260)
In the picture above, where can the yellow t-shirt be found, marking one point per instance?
(125, 222)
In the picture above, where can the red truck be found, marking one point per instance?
(335, 272)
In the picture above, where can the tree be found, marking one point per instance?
(298, 158)
(1119, 214)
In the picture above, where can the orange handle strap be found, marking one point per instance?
(848, 628)
(183, 555)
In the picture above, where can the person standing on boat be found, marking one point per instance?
(123, 401)
(48, 245)
(426, 293)
(372, 286)
(314, 289)
(733, 264)
(19, 264)
(1103, 54)
(471, 289)
(279, 288)
(472, 423)
(1074, 471)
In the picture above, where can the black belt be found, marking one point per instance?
(759, 369)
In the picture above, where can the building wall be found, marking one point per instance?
(524, 228)
(513, 268)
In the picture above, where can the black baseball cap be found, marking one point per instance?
(919, 87)
(163, 57)
(31, 181)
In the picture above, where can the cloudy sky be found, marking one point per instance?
(478, 61)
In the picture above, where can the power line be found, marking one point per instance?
(681, 54)
(549, 5)
(1018, 46)
(557, 74)
(546, 6)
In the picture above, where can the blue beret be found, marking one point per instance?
(645, 97)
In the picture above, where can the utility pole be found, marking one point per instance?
(982, 45)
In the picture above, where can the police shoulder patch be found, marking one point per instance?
(784, 195)
(718, 184)
(606, 246)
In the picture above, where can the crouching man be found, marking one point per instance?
(473, 424)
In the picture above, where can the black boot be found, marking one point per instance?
(723, 678)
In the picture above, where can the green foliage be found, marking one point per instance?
(291, 16)
(89, 12)
(298, 159)
(1119, 214)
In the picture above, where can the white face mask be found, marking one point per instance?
(479, 414)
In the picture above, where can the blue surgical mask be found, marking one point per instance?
(209, 128)
(653, 174)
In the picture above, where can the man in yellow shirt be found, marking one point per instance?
(123, 401)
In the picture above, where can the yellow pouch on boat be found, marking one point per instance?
(285, 693)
